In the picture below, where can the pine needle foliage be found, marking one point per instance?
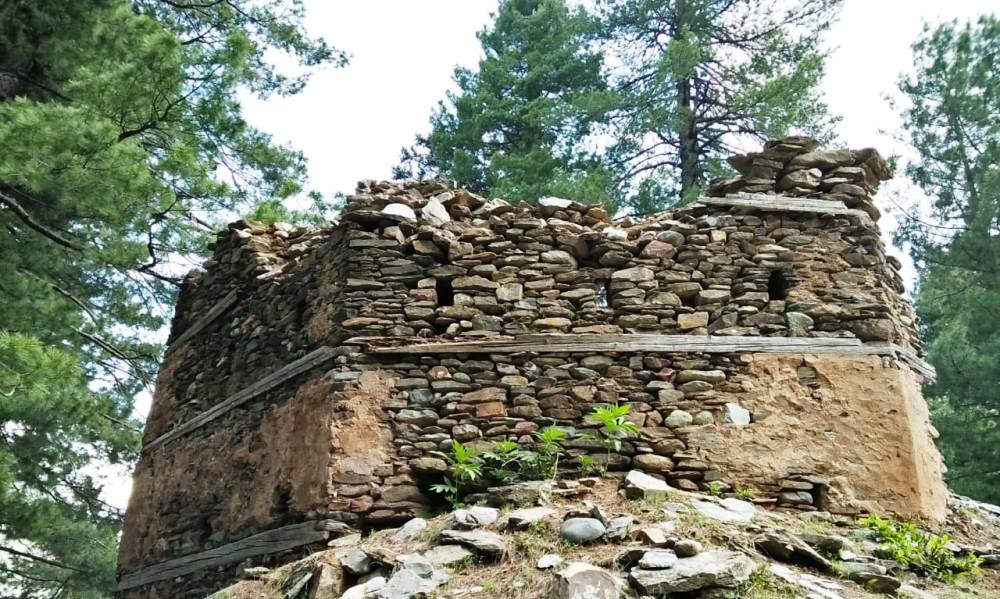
(122, 146)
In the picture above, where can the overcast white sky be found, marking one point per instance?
(351, 122)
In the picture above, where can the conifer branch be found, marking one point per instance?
(39, 559)
(29, 220)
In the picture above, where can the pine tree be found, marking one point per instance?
(121, 144)
(696, 76)
(953, 124)
(518, 126)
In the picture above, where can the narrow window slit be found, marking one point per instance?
(602, 296)
(445, 293)
(777, 286)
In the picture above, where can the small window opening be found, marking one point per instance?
(445, 294)
(777, 285)
(602, 296)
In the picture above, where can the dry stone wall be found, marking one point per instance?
(559, 308)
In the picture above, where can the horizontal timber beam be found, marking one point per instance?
(618, 342)
(206, 319)
(271, 541)
(306, 362)
(624, 342)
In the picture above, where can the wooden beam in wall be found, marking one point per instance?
(206, 319)
(620, 342)
(271, 541)
(306, 362)
(624, 342)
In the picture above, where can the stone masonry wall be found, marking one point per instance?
(354, 438)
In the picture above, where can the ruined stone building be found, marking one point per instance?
(758, 334)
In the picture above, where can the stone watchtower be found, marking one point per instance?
(758, 336)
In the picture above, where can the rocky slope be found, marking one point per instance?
(636, 537)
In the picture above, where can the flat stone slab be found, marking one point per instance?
(447, 555)
(473, 517)
(639, 485)
(719, 568)
(729, 510)
(525, 517)
(658, 559)
(483, 541)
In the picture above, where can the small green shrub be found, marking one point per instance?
(505, 459)
(922, 552)
(714, 489)
(744, 493)
(763, 585)
(465, 464)
(544, 463)
(615, 425)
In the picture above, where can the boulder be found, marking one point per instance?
(434, 213)
(650, 462)
(618, 528)
(365, 590)
(356, 562)
(687, 548)
(580, 580)
(409, 531)
(582, 530)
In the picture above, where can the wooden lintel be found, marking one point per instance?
(271, 541)
(306, 362)
(206, 319)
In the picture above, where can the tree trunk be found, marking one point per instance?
(688, 139)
